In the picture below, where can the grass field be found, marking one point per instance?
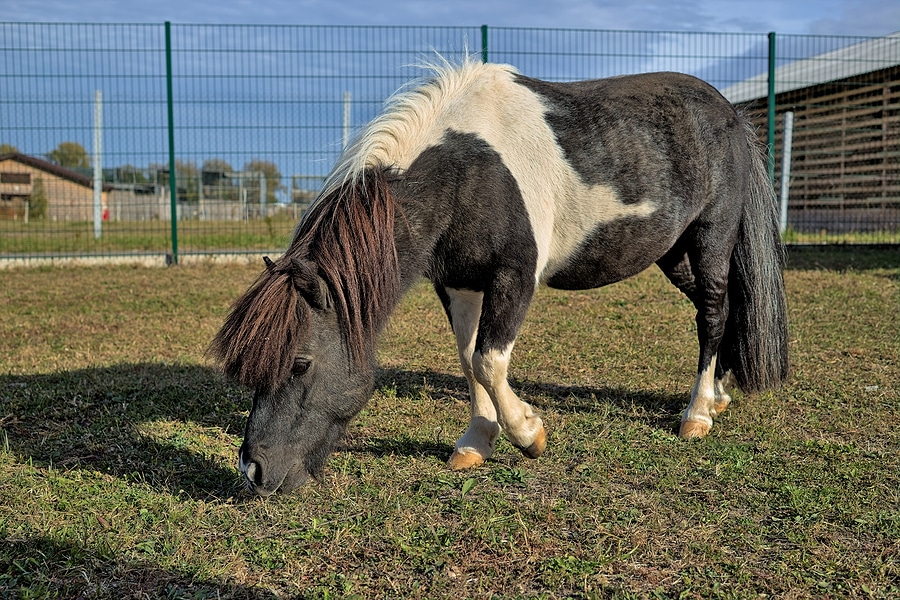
(118, 448)
(42, 237)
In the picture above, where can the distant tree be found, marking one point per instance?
(272, 175)
(188, 177)
(8, 149)
(216, 165)
(71, 155)
(37, 204)
(186, 169)
(131, 174)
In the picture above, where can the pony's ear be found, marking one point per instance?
(270, 266)
(307, 281)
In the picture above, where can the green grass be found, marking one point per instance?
(118, 448)
(884, 236)
(47, 237)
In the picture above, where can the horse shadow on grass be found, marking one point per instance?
(546, 395)
(144, 423)
(42, 566)
(844, 258)
(655, 410)
(174, 427)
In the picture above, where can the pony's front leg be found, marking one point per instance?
(503, 310)
(517, 418)
(477, 443)
(493, 404)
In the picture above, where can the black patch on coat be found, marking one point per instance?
(664, 138)
(610, 253)
(647, 136)
(465, 226)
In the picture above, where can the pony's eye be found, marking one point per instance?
(301, 366)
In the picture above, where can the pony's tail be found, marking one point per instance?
(755, 345)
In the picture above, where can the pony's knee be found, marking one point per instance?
(489, 368)
(523, 427)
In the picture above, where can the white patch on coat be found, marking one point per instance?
(701, 408)
(485, 100)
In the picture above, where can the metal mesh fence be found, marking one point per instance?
(186, 140)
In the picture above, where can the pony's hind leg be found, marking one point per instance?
(477, 444)
(709, 399)
(705, 282)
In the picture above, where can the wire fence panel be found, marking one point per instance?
(49, 76)
(89, 137)
(262, 113)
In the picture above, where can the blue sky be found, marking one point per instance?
(250, 111)
(830, 17)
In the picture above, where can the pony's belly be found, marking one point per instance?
(613, 252)
(585, 275)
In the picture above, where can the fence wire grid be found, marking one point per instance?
(176, 141)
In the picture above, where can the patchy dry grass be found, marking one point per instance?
(117, 452)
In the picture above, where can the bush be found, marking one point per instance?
(37, 206)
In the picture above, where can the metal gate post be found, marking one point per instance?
(173, 185)
(771, 109)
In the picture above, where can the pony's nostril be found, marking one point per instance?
(253, 473)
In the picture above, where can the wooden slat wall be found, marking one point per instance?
(846, 142)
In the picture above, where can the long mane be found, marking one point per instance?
(348, 238)
(256, 341)
(410, 117)
(348, 235)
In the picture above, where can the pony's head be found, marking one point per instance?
(303, 336)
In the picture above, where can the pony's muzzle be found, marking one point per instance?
(253, 475)
(264, 479)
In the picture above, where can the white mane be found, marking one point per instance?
(412, 120)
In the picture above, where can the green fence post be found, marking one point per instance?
(484, 43)
(771, 108)
(173, 185)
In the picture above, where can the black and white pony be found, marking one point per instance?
(490, 183)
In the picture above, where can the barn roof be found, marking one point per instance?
(858, 59)
(49, 167)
